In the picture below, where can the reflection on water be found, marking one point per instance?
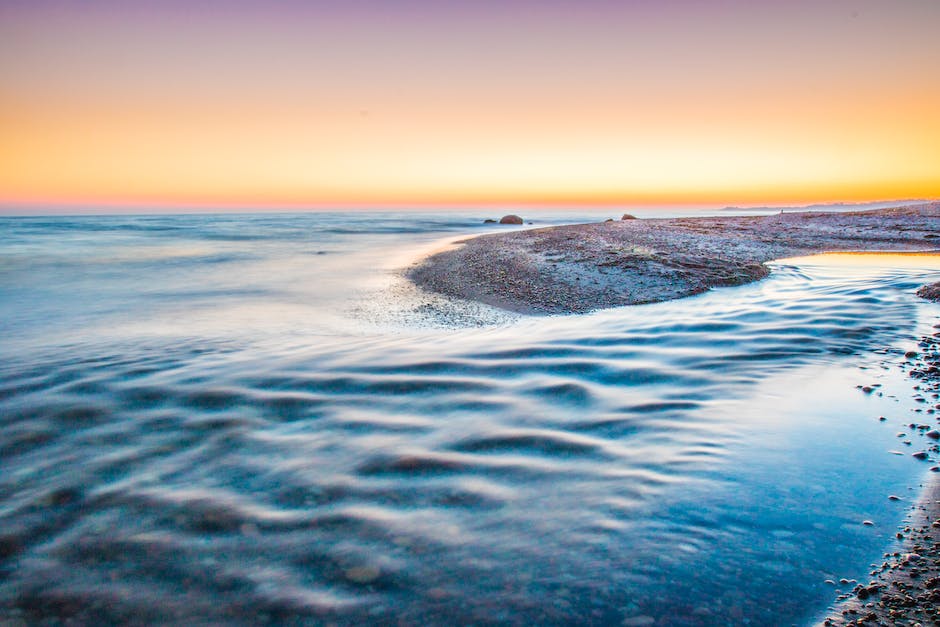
(207, 420)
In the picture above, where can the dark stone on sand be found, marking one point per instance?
(510, 219)
(627, 216)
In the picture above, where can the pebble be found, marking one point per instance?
(362, 574)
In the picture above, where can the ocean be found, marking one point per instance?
(254, 418)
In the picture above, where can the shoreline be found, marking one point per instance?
(585, 267)
(580, 268)
(904, 588)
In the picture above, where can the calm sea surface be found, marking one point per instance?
(253, 418)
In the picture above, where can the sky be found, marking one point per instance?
(289, 103)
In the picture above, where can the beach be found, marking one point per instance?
(904, 589)
(579, 268)
(593, 313)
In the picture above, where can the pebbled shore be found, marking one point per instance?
(579, 268)
(905, 587)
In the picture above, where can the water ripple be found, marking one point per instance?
(630, 463)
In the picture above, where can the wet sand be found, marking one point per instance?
(905, 587)
(579, 268)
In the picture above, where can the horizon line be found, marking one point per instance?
(114, 207)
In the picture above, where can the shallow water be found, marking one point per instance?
(255, 418)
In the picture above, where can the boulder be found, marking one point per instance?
(489, 221)
(510, 219)
(628, 216)
(930, 292)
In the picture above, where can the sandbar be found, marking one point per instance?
(583, 267)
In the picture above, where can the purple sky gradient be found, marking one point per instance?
(515, 100)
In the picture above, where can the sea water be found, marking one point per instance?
(256, 418)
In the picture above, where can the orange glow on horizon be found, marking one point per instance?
(395, 114)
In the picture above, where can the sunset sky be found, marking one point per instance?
(289, 103)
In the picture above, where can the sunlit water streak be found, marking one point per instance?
(251, 418)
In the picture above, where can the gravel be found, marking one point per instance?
(579, 268)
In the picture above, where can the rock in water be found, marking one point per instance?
(489, 221)
(930, 292)
(510, 219)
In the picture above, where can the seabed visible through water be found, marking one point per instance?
(254, 418)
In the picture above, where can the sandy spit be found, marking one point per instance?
(579, 268)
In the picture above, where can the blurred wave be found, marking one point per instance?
(168, 457)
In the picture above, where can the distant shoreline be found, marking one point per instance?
(584, 267)
(831, 207)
